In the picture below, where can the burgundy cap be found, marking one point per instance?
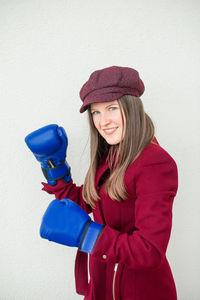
(110, 84)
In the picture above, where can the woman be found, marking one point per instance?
(129, 188)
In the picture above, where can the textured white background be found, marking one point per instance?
(47, 51)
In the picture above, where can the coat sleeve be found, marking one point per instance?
(67, 190)
(156, 182)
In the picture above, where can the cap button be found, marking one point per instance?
(104, 256)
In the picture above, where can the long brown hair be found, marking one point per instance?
(139, 132)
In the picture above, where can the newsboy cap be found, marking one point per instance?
(110, 84)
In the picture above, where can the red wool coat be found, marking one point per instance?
(129, 259)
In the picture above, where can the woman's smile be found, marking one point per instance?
(110, 131)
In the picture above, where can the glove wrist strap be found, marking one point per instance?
(57, 172)
(90, 236)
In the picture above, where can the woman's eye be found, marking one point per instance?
(112, 108)
(95, 112)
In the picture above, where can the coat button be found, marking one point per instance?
(104, 256)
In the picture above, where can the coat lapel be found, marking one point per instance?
(97, 211)
(103, 167)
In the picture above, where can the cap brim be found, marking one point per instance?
(100, 99)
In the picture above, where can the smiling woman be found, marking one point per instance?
(107, 118)
(129, 187)
(120, 129)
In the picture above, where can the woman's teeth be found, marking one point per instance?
(110, 130)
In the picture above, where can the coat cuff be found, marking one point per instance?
(103, 245)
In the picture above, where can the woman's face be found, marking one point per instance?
(108, 121)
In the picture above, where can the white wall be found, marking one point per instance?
(47, 51)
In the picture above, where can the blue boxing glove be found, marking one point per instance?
(49, 145)
(66, 223)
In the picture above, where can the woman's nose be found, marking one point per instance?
(104, 119)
